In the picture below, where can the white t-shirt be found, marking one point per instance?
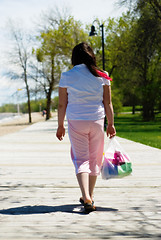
(85, 93)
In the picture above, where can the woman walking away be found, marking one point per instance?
(85, 97)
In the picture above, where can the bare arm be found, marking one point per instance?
(63, 100)
(109, 110)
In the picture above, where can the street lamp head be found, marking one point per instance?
(93, 31)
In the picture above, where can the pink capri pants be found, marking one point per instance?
(87, 144)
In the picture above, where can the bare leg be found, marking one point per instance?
(83, 180)
(92, 182)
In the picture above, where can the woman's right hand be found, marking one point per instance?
(111, 131)
(60, 132)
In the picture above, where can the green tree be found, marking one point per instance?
(148, 56)
(8, 108)
(54, 54)
(120, 58)
(134, 48)
(137, 5)
(55, 103)
(145, 57)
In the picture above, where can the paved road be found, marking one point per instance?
(39, 192)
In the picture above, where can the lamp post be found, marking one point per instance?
(93, 33)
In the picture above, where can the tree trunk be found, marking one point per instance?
(133, 103)
(148, 113)
(146, 91)
(148, 107)
(133, 109)
(50, 90)
(48, 104)
(145, 111)
(28, 97)
(28, 103)
(111, 71)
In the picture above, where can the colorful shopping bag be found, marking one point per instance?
(116, 163)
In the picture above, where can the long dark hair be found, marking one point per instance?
(83, 53)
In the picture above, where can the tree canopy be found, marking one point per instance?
(132, 54)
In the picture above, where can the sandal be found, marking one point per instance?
(89, 207)
(82, 201)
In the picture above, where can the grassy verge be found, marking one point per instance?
(132, 127)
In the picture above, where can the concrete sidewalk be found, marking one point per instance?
(39, 192)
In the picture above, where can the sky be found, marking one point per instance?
(28, 12)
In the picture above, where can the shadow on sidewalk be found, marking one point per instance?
(41, 209)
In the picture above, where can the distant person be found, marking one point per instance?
(85, 96)
(43, 112)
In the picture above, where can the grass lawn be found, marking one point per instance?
(132, 127)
